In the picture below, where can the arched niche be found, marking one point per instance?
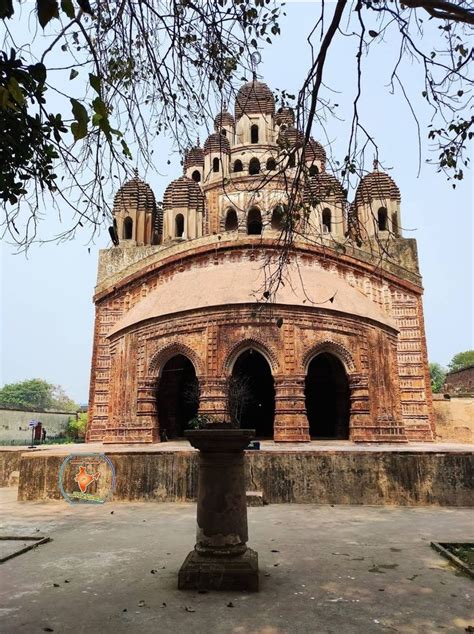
(254, 222)
(179, 226)
(127, 233)
(231, 222)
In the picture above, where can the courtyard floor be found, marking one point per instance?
(113, 568)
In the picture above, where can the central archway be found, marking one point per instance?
(251, 394)
(327, 398)
(177, 397)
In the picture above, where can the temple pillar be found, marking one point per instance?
(213, 397)
(360, 423)
(147, 415)
(291, 423)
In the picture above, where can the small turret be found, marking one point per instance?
(377, 204)
(135, 213)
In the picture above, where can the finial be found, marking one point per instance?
(376, 164)
(135, 172)
(255, 59)
(198, 142)
(224, 106)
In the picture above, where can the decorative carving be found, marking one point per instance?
(166, 352)
(334, 348)
(247, 344)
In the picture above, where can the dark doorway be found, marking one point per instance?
(231, 223)
(178, 396)
(327, 398)
(254, 222)
(251, 394)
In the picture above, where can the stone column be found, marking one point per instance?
(291, 423)
(147, 415)
(220, 559)
(213, 397)
(360, 425)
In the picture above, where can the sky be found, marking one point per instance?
(47, 316)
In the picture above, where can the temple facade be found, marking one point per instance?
(257, 293)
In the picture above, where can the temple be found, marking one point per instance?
(205, 307)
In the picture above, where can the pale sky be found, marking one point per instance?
(47, 312)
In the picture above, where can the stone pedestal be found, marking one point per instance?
(220, 559)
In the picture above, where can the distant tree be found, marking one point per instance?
(62, 401)
(437, 376)
(77, 425)
(461, 360)
(36, 394)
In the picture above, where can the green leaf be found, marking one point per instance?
(15, 91)
(94, 82)
(79, 126)
(6, 9)
(74, 73)
(68, 8)
(100, 107)
(126, 150)
(38, 72)
(47, 10)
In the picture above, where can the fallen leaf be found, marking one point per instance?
(153, 571)
(56, 585)
(189, 609)
(230, 604)
(274, 550)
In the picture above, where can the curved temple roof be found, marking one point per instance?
(233, 283)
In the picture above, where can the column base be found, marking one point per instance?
(219, 573)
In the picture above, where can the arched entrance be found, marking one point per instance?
(251, 394)
(327, 398)
(177, 396)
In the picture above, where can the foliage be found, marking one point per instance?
(36, 394)
(461, 360)
(239, 395)
(199, 422)
(154, 67)
(76, 428)
(146, 67)
(437, 376)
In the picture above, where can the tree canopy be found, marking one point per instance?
(461, 360)
(36, 394)
(437, 376)
(149, 68)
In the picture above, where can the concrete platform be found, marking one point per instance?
(317, 472)
(324, 472)
(341, 570)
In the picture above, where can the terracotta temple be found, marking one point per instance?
(204, 307)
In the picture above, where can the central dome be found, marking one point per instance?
(254, 97)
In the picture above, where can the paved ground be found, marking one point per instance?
(266, 445)
(323, 569)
